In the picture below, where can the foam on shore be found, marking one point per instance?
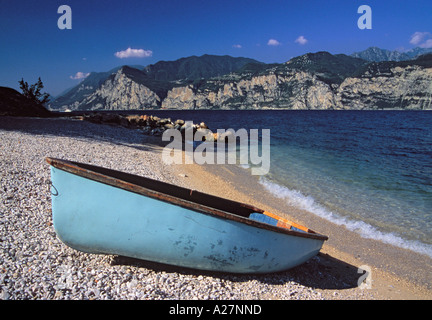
(297, 199)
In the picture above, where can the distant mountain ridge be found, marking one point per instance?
(376, 54)
(85, 87)
(159, 77)
(333, 68)
(193, 68)
(311, 81)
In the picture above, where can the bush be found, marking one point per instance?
(34, 91)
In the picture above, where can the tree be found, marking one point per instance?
(34, 91)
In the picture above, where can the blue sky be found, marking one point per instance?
(32, 45)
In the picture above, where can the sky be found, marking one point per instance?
(107, 34)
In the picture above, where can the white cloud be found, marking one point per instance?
(79, 75)
(418, 37)
(426, 44)
(301, 40)
(238, 46)
(273, 42)
(133, 53)
(422, 39)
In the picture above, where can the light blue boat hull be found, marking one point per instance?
(95, 217)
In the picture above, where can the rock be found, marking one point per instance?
(95, 117)
(168, 126)
(152, 121)
(143, 120)
(157, 131)
(185, 127)
(110, 118)
(206, 134)
(133, 119)
(124, 122)
(81, 118)
(162, 122)
(224, 136)
(202, 125)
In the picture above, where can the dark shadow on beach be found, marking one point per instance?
(321, 272)
(78, 129)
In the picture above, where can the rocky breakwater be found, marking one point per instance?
(149, 124)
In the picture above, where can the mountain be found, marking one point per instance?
(193, 68)
(159, 78)
(377, 55)
(328, 67)
(312, 81)
(389, 85)
(257, 86)
(125, 89)
(87, 86)
(79, 92)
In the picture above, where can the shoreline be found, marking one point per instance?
(396, 273)
(35, 264)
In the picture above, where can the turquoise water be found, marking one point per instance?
(368, 170)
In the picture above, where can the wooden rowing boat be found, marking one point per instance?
(103, 211)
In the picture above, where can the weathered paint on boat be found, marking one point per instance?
(102, 211)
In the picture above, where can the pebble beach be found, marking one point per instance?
(36, 265)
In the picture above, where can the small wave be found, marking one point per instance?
(308, 203)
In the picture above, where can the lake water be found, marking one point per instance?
(368, 170)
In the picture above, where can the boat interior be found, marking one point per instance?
(178, 195)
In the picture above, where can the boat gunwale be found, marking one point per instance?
(75, 168)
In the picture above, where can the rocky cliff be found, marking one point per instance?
(294, 90)
(119, 92)
(399, 85)
(408, 87)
